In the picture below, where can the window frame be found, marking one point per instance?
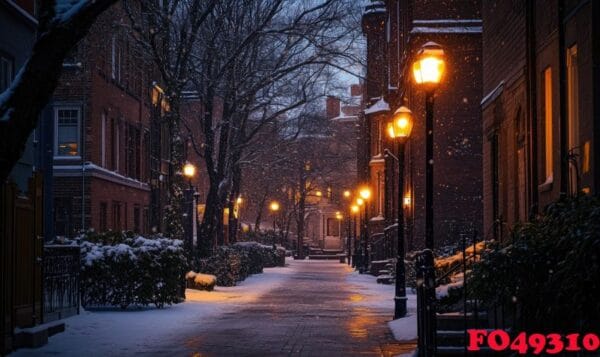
(79, 118)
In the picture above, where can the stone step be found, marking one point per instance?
(460, 351)
(385, 279)
(456, 321)
(37, 336)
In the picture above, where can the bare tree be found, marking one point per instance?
(61, 26)
(168, 31)
(264, 59)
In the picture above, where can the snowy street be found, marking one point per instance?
(308, 308)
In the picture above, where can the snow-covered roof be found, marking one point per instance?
(454, 29)
(447, 21)
(380, 106)
(493, 94)
(375, 7)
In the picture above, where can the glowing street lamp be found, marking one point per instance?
(428, 72)
(189, 171)
(399, 129)
(401, 124)
(347, 194)
(365, 193)
(429, 66)
(274, 207)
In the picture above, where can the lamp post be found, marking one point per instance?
(274, 207)
(340, 217)
(189, 171)
(365, 194)
(354, 209)
(359, 238)
(399, 129)
(428, 70)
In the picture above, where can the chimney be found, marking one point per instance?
(333, 107)
(356, 90)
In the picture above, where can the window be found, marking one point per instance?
(114, 147)
(146, 220)
(67, 131)
(547, 107)
(116, 56)
(573, 116)
(333, 227)
(103, 140)
(495, 182)
(103, 216)
(6, 72)
(133, 151)
(136, 219)
(116, 215)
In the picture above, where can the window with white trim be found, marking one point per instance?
(67, 131)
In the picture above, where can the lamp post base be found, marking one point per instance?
(400, 309)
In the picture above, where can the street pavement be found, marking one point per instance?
(317, 312)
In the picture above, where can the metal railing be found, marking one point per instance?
(61, 265)
(473, 312)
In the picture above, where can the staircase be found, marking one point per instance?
(452, 338)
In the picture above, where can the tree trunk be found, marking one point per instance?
(35, 83)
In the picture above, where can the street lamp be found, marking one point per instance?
(274, 207)
(399, 129)
(189, 171)
(347, 194)
(428, 71)
(365, 195)
(354, 209)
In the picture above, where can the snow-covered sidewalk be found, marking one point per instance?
(117, 332)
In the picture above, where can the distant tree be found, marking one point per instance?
(265, 60)
(62, 24)
(167, 32)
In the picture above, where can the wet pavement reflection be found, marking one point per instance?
(315, 313)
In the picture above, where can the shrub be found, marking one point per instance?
(549, 275)
(200, 281)
(231, 264)
(121, 269)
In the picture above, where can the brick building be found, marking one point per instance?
(541, 106)
(110, 148)
(395, 30)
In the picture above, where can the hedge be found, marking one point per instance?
(232, 264)
(123, 269)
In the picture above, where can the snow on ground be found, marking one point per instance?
(381, 296)
(118, 332)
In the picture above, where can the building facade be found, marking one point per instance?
(541, 106)
(110, 147)
(395, 30)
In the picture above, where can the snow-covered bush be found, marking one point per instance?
(235, 263)
(123, 269)
(200, 281)
(549, 274)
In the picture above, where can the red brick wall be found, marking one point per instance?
(125, 103)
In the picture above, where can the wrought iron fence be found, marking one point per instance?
(61, 267)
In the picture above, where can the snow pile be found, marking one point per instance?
(200, 281)
(122, 269)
